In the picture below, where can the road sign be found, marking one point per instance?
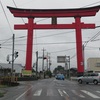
(61, 59)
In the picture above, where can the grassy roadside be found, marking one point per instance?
(2, 86)
(1, 94)
(1, 90)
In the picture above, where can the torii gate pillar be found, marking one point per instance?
(29, 45)
(79, 45)
(47, 13)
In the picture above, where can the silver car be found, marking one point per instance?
(89, 78)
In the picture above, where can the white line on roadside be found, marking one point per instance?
(90, 94)
(38, 92)
(24, 93)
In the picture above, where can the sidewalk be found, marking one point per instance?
(2, 90)
(73, 78)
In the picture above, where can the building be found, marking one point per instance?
(5, 66)
(93, 64)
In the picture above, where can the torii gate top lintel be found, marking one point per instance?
(19, 12)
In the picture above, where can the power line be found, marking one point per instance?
(14, 3)
(92, 38)
(92, 47)
(42, 19)
(91, 4)
(73, 56)
(85, 42)
(6, 17)
(62, 50)
(51, 34)
(16, 7)
(21, 37)
(5, 41)
(45, 43)
(41, 36)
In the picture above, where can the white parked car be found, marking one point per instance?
(89, 78)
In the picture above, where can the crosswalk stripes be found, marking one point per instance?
(37, 93)
(90, 94)
(98, 91)
(62, 93)
(65, 93)
(80, 93)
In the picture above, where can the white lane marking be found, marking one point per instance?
(98, 91)
(38, 92)
(90, 94)
(24, 93)
(60, 92)
(65, 93)
(78, 94)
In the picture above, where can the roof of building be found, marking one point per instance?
(16, 67)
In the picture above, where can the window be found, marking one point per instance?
(97, 64)
(94, 74)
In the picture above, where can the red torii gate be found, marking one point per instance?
(50, 13)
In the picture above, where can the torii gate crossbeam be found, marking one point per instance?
(49, 13)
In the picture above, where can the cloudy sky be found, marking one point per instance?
(55, 42)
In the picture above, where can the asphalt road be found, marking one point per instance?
(52, 89)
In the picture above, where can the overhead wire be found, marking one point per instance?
(91, 39)
(62, 50)
(16, 7)
(52, 43)
(46, 18)
(91, 4)
(6, 16)
(80, 7)
(15, 4)
(47, 35)
(5, 41)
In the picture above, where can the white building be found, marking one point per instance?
(93, 64)
(17, 67)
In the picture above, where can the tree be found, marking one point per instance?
(48, 72)
(58, 69)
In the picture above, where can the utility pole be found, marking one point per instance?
(13, 39)
(47, 60)
(36, 62)
(43, 60)
(68, 60)
(69, 66)
(49, 63)
(83, 56)
(43, 63)
(66, 65)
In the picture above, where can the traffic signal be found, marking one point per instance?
(45, 58)
(8, 58)
(16, 54)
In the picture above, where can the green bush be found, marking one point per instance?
(1, 94)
